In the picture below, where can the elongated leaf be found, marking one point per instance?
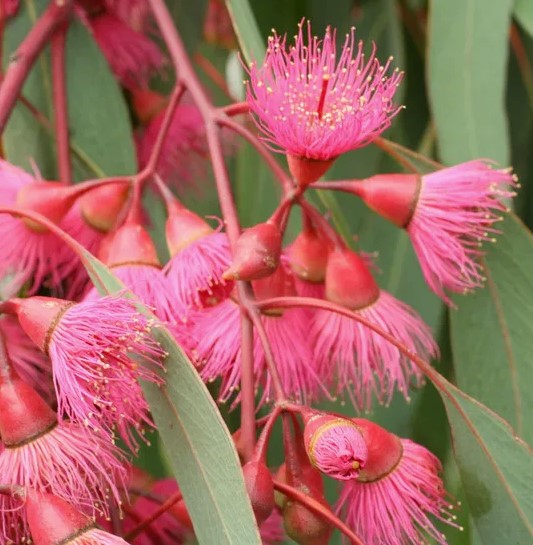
(98, 116)
(523, 11)
(493, 327)
(245, 25)
(494, 465)
(197, 442)
(468, 50)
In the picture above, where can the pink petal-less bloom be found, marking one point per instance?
(455, 213)
(195, 272)
(132, 56)
(27, 255)
(135, 13)
(314, 102)
(398, 508)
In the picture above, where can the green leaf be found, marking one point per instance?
(492, 330)
(495, 466)
(199, 447)
(523, 11)
(245, 25)
(468, 49)
(98, 116)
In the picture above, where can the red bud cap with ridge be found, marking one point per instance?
(23, 413)
(308, 256)
(335, 445)
(50, 199)
(349, 281)
(38, 316)
(147, 104)
(393, 196)
(131, 245)
(384, 450)
(256, 254)
(53, 521)
(260, 487)
(306, 171)
(304, 526)
(101, 206)
(183, 227)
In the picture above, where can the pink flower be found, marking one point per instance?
(90, 345)
(132, 56)
(135, 13)
(395, 497)
(182, 160)
(357, 358)
(312, 103)
(65, 459)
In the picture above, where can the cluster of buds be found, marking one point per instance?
(71, 359)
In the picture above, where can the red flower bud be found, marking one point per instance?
(335, 445)
(183, 227)
(308, 256)
(181, 514)
(101, 206)
(257, 253)
(23, 413)
(50, 199)
(304, 526)
(260, 487)
(131, 244)
(348, 280)
(306, 171)
(393, 196)
(147, 104)
(53, 521)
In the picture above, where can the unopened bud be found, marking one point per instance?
(349, 281)
(384, 450)
(101, 206)
(279, 284)
(306, 171)
(131, 244)
(304, 526)
(260, 488)
(335, 446)
(393, 196)
(257, 253)
(183, 227)
(147, 104)
(308, 256)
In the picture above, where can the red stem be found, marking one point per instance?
(60, 104)
(22, 61)
(235, 109)
(248, 428)
(264, 438)
(338, 185)
(318, 509)
(161, 510)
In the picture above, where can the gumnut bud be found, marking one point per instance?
(306, 171)
(278, 284)
(260, 487)
(393, 196)
(334, 445)
(131, 244)
(256, 254)
(308, 256)
(23, 413)
(52, 521)
(101, 206)
(147, 104)
(349, 282)
(384, 450)
(304, 526)
(50, 199)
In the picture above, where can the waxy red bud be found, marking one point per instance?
(180, 512)
(349, 282)
(131, 244)
(53, 521)
(147, 104)
(101, 206)
(257, 253)
(334, 445)
(384, 450)
(23, 413)
(304, 526)
(183, 227)
(50, 199)
(308, 256)
(260, 488)
(393, 196)
(306, 171)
